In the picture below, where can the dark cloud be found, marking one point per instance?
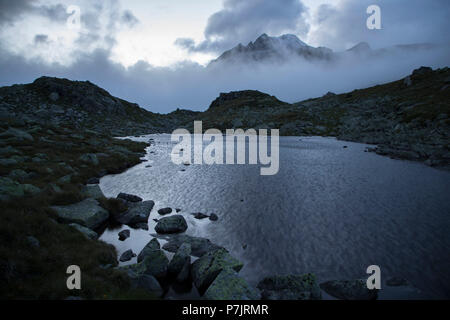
(55, 12)
(129, 19)
(403, 22)
(40, 39)
(12, 10)
(244, 21)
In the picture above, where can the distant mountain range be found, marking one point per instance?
(287, 47)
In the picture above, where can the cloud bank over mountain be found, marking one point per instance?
(190, 85)
(245, 21)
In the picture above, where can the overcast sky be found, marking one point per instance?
(153, 52)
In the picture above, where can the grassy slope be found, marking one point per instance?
(27, 272)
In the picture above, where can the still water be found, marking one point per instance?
(330, 210)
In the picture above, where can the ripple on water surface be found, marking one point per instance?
(330, 210)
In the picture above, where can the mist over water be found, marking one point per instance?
(330, 210)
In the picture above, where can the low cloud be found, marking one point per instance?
(191, 86)
(403, 22)
(41, 39)
(244, 21)
(11, 11)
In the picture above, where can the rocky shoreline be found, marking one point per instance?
(211, 268)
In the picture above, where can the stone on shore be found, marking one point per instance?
(228, 285)
(138, 212)
(93, 191)
(127, 256)
(172, 224)
(349, 290)
(290, 287)
(87, 213)
(206, 268)
(146, 282)
(93, 180)
(181, 257)
(185, 272)
(155, 263)
(88, 233)
(164, 211)
(153, 245)
(124, 234)
(199, 246)
(129, 197)
(200, 216)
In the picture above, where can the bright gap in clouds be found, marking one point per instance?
(161, 22)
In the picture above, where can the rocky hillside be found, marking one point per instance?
(407, 119)
(82, 105)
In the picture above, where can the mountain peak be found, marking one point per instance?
(276, 49)
(360, 47)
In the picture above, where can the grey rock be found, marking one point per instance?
(172, 224)
(93, 191)
(213, 217)
(150, 285)
(141, 225)
(124, 234)
(206, 268)
(181, 257)
(349, 290)
(88, 233)
(146, 282)
(164, 211)
(127, 256)
(228, 285)
(129, 197)
(200, 216)
(199, 246)
(290, 287)
(155, 263)
(153, 245)
(93, 181)
(185, 273)
(87, 213)
(138, 212)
